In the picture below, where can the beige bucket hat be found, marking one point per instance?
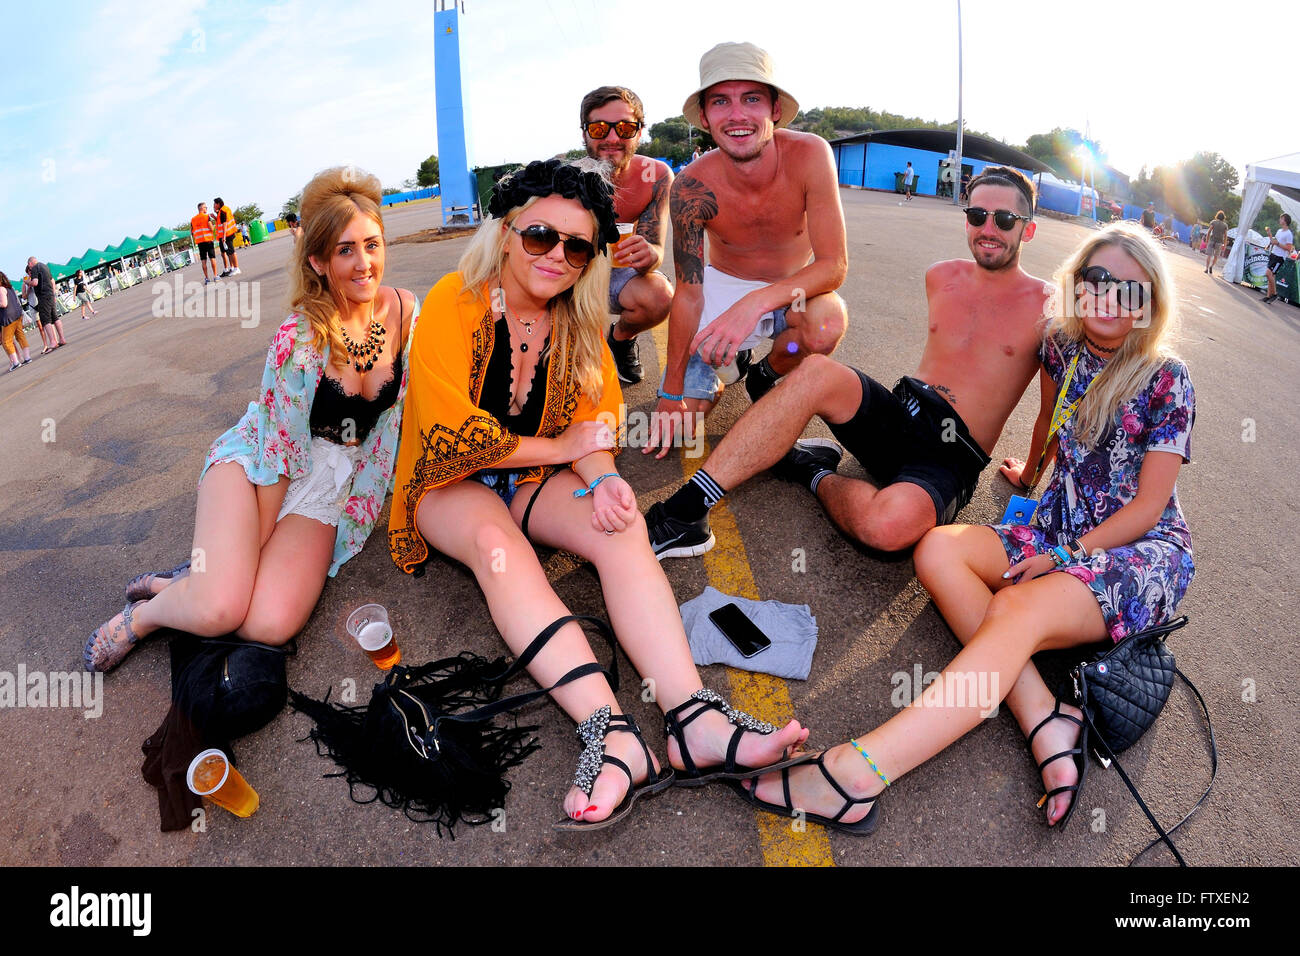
(737, 61)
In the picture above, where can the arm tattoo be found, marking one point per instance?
(952, 399)
(692, 204)
(650, 223)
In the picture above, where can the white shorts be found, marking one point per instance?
(722, 291)
(322, 493)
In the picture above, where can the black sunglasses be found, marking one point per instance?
(539, 239)
(1130, 294)
(599, 129)
(1004, 219)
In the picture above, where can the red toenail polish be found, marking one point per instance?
(590, 808)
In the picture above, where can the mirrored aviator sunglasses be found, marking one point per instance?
(1004, 219)
(1130, 294)
(538, 240)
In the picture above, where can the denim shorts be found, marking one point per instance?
(701, 379)
(501, 480)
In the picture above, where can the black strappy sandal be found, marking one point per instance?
(862, 827)
(140, 587)
(693, 776)
(1079, 753)
(592, 732)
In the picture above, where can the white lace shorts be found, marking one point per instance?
(322, 493)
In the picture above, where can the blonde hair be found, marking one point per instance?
(578, 314)
(1146, 348)
(332, 199)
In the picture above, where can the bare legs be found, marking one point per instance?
(484, 536)
(645, 302)
(1002, 625)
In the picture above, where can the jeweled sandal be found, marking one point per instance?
(101, 652)
(140, 587)
(593, 758)
(693, 776)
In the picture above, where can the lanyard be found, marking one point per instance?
(1060, 415)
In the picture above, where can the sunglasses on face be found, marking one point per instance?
(1130, 294)
(539, 239)
(599, 129)
(1004, 219)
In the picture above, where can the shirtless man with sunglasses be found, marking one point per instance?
(612, 120)
(929, 439)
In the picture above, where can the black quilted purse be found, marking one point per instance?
(1121, 693)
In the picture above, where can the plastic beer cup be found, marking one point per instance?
(369, 627)
(625, 229)
(211, 775)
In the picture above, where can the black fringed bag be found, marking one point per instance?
(1121, 693)
(428, 742)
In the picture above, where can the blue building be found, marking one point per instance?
(870, 160)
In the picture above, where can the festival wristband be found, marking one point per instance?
(670, 397)
(582, 492)
(1060, 556)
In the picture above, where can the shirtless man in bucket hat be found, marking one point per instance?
(768, 199)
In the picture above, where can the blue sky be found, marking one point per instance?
(130, 113)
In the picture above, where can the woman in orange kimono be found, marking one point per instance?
(509, 437)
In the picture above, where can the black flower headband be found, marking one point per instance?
(556, 177)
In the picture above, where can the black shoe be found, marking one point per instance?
(673, 538)
(1269, 298)
(758, 382)
(809, 458)
(626, 358)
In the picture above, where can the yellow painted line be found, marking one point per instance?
(762, 695)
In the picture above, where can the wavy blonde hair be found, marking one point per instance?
(578, 314)
(1144, 350)
(332, 199)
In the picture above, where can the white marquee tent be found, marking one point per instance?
(1282, 174)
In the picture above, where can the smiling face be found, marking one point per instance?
(992, 248)
(1105, 321)
(356, 263)
(741, 117)
(532, 281)
(618, 152)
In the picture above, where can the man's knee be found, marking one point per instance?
(827, 388)
(892, 525)
(823, 324)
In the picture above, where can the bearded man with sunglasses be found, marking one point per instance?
(926, 441)
(612, 120)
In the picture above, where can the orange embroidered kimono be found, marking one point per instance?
(446, 436)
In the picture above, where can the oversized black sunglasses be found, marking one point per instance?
(599, 129)
(1130, 294)
(1004, 219)
(539, 239)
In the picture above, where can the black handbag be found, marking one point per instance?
(427, 742)
(1121, 693)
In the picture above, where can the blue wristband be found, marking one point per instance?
(671, 397)
(583, 492)
(1061, 556)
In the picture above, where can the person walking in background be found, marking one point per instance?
(83, 294)
(51, 325)
(1280, 248)
(1215, 235)
(295, 227)
(909, 177)
(11, 325)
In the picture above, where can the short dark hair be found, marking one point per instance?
(1286, 217)
(773, 95)
(200, 205)
(218, 201)
(608, 94)
(1220, 215)
(291, 217)
(1004, 176)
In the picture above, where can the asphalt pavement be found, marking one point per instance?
(103, 442)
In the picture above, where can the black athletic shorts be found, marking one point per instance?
(206, 251)
(913, 435)
(46, 312)
(1275, 262)
(228, 244)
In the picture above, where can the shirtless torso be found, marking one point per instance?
(638, 191)
(982, 350)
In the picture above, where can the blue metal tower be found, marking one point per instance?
(459, 186)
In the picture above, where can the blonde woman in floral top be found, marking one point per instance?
(293, 490)
(1109, 522)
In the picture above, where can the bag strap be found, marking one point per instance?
(523, 660)
(1214, 764)
(1214, 770)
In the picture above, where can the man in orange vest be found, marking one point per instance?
(201, 230)
(226, 228)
